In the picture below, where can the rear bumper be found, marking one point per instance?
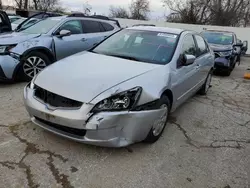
(109, 129)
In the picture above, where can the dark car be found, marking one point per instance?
(226, 49)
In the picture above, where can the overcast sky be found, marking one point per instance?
(102, 6)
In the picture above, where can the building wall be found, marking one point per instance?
(242, 33)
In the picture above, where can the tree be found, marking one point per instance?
(44, 5)
(190, 11)
(118, 12)
(139, 9)
(214, 12)
(87, 8)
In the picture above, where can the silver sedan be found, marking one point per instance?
(122, 91)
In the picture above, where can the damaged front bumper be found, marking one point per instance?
(109, 129)
(8, 65)
(224, 63)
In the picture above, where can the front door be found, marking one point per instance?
(74, 43)
(185, 78)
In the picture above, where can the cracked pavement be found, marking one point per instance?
(206, 144)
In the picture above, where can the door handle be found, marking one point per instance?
(197, 66)
(83, 39)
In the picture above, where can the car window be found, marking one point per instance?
(202, 47)
(74, 26)
(188, 46)
(41, 27)
(14, 19)
(107, 26)
(90, 26)
(144, 46)
(218, 38)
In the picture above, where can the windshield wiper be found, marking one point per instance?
(124, 57)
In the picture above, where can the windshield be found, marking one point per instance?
(41, 27)
(218, 38)
(145, 46)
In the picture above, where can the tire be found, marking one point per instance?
(27, 69)
(228, 73)
(205, 87)
(155, 134)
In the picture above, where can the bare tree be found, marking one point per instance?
(214, 12)
(44, 5)
(87, 8)
(191, 11)
(140, 9)
(118, 12)
(19, 3)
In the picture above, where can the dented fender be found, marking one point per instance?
(42, 42)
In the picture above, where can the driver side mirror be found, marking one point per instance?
(64, 33)
(186, 59)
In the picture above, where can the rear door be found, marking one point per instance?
(203, 59)
(5, 25)
(96, 31)
(68, 45)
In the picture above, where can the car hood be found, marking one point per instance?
(16, 37)
(85, 75)
(219, 47)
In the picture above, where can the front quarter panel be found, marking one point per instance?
(153, 84)
(42, 41)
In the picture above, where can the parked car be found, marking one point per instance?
(226, 49)
(121, 91)
(14, 18)
(6, 23)
(27, 24)
(26, 52)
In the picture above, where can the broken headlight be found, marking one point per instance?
(122, 101)
(226, 53)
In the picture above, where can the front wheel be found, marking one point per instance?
(32, 64)
(160, 124)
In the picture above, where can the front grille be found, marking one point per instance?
(73, 131)
(55, 100)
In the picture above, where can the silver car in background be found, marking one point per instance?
(32, 47)
(122, 91)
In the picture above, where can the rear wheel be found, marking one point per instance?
(160, 124)
(33, 63)
(204, 89)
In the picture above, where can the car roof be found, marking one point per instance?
(158, 29)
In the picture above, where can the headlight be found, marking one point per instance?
(6, 49)
(123, 101)
(32, 84)
(226, 53)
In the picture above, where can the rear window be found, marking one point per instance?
(107, 26)
(90, 26)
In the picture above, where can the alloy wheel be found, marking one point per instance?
(161, 122)
(33, 65)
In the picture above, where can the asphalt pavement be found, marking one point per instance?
(206, 144)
